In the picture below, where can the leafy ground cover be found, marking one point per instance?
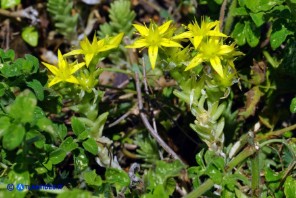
(147, 98)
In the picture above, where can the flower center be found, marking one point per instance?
(153, 37)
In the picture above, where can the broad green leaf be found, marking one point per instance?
(61, 131)
(41, 170)
(76, 193)
(83, 135)
(33, 61)
(7, 56)
(278, 37)
(57, 156)
(30, 36)
(91, 178)
(252, 34)
(77, 126)
(239, 34)
(9, 3)
(22, 109)
(14, 137)
(80, 160)
(34, 136)
(17, 177)
(37, 88)
(262, 5)
(241, 11)
(290, 187)
(91, 146)
(68, 145)
(45, 124)
(117, 176)
(258, 18)
(4, 125)
(3, 88)
(293, 105)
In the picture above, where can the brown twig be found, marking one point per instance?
(147, 124)
(29, 13)
(222, 14)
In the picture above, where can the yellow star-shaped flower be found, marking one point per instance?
(212, 51)
(197, 33)
(63, 71)
(153, 38)
(89, 50)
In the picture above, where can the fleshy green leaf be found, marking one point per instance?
(77, 126)
(9, 3)
(30, 36)
(14, 137)
(252, 34)
(239, 34)
(290, 187)
(75, 193)
(258, 18)
(37, 88)
(57, 156)
(5, 124)
(278, 37)
(80, 160)
(293, 105)
(91, 178)
(22, 108)
(91, 146)
(117, 176)
(68, 144)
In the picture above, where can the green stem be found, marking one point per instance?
(230, 18)
(247, 152)
(273, 62)
(277, 133)
(255, 183)
(207, 185)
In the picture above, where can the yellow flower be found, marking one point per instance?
(212, 51)
(89, 50)
(63, 71)
(153, 38)
(196, 33)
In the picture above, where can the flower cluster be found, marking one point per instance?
(206, 39)
(64, 71)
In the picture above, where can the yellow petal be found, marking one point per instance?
(60, 59)
(85, 44)
(183, 35)
(73, 52)
(88, 58)
(138, 44)
(169, 43)
(164, 27)
(194, 62)
(116, 40)
(143, 30)
(216, 64)
(225, 49)
(216, 33)
(95, 42)
(72, 79)
(76, 67)
(197, 40)
(51, 68)
(54, 81)
(152, 52)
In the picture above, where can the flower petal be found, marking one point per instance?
(216, 64)
(73, 52)
(54, 70)
(164, 27)
(60, 59)
(196, 41)
(225, 49)
(183, 35)
(116, 40)
(88, 58)
(143, 30)
(72, 79)
(194, 62)
(152, 52)
(85, 44)
(138, 44)
(54, 81)
(216, 33)
(169, 43)
(76, 67)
